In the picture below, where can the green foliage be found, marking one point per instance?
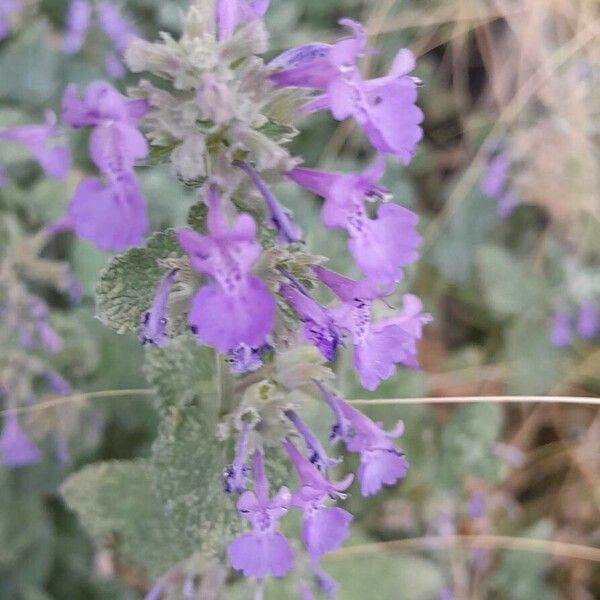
(29, 67)
(509, 285)
(521, 575)
(128, 283)
(116, 504)
(188, 466)
(532, 357)
(467, 444)
(455, 248)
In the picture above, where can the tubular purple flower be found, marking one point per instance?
(381, 461)
(588, 319)
(16, 448)
(155, 592)
(324, 527)
(118, 28)
(231, 13)
(155, 321)
(317, 454)
(378, 346)
(380, 246)
(279, 216)
(319, 326)
(113, 216)
(235, 475)
(100, 102)
(245, 359)
(264, 550)
(384, 107)
(237, 307)
(54, 160)
(325, 582)
(477, 504)
(78, 23)
(561, 333)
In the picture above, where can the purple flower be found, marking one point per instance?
(319, 325)
(56, 382)
(317, 454)
(235, 475)
(381, 461)
(16, 448)
(155, 592)
(112, 215)
(588, 319)
(380, 246)
(154, 321)
(561, 329)
(114, 66)
(8, 9)
(378, 346)
(264, 550)
(325, 582)
(231, 13)
(384, 107)
(279, 216)
(117, 27)
(477, 504)
(324, 528)
(245, 359)
(54, 160)
(48, 338)
(236, 307)
(495, 176)
(78, 22)
(100, 103)
(507, 204)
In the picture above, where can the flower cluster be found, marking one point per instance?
(118, 28)
(586, 322)
(223, 118)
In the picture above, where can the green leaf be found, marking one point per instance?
(359, 575)
(532, 358)
(455, 248)
(468, 444)
(521, 575)
(29, 67)
(182, 373)
(188, 465)
(116, 503)
(509, 286)
(196, 218)
(127, 285)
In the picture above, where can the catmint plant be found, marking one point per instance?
(240, 279)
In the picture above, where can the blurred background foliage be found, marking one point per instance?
(525, 73)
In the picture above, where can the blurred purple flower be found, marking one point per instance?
(236, 307)
(231, 13)
(324, 527)
(495, 176)
(78, 22)
(55, 160)
(588, 319)
(245, 359)
(561, 329)
(8, 10)
(16, 448)
(119, 28)
(263, 551)
(477, 504)
(380, 246)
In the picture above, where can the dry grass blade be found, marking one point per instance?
(498, 542)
